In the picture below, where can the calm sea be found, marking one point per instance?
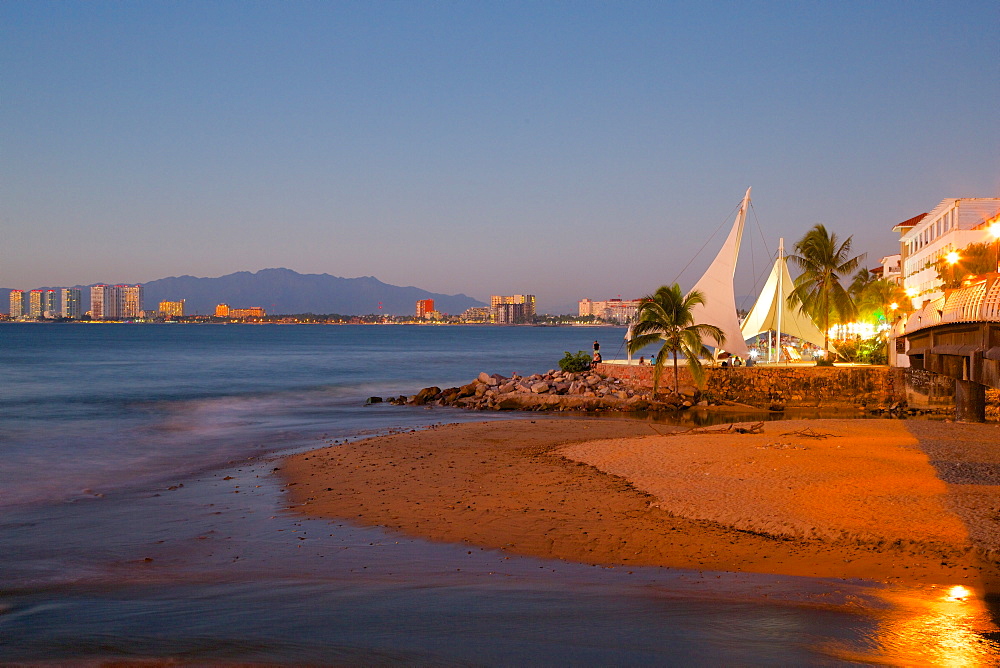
(140, 517)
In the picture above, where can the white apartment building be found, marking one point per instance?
(950, 226)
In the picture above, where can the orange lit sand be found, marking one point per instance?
(864, 502)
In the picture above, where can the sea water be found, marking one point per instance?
(141, 517)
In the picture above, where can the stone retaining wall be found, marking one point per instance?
(766, 386)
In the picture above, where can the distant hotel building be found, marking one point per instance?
(71, 303)
(476, 314)
(112, 302)
(172, 309)
(424, 308)
(35, 305)
(512, 309)
(131, 296)
(621, 311)
(99, 298)
(16, 304)
(950, 226)
(224, 311)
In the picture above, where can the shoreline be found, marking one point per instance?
(586, 490)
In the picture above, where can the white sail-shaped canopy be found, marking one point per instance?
(771, 313)
(716, 285)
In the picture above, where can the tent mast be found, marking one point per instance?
(781, 291)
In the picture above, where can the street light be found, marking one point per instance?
(995, 231)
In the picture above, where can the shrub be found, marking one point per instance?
(575, 363)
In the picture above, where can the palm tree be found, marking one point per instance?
(881, 298)
(818, 291)
(667, 316)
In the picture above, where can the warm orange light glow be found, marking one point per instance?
(894, 306)
(995, 229)
(958, 593)
(952, 257)
(911, 292)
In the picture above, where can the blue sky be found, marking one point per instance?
(565, 149)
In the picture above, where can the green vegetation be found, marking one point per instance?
(575, 363)
(863, 351)
(973, 260)
(824, 262)
(667, 316)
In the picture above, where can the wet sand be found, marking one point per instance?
(864, 501)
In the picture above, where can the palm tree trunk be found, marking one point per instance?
(676, 386)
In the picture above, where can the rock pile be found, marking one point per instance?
(551, 391)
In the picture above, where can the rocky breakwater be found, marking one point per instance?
(551, 391)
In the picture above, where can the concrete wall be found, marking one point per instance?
(763, 386)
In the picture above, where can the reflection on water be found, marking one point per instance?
(932, 626)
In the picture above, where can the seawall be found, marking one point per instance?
(766, 386)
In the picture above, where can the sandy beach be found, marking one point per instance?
(883, 500)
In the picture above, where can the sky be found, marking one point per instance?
(562, 149)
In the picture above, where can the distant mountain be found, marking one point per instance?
(287, 291)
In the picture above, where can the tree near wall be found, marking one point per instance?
(974, 259)
(667, 316)
(825, 262)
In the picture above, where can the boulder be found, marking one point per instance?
(467, 390)
(540, 388)
(484, 378)
(373, 400)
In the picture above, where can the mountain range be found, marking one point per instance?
(286, 291)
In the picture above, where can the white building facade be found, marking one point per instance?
(950, 226)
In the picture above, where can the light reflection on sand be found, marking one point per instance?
(933, 625)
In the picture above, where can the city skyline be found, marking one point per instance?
(569, 150)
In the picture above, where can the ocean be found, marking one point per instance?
(142, 518)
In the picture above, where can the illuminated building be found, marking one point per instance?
(36, 305)
(224, 311)
(252, 312)
(131, 300)
(99, 297)
(16, 304)
(172, 309)
(424, 307)
(71, 300)
(949, 227)
(512, 309)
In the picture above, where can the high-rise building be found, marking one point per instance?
(99, 297)
(71, 303)
(36, 303)
(50, 304)
(222, 311)
(131, 296)
(424, 307)
(172, 309)
(523, 308)
(16, 304)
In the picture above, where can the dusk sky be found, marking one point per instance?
(564, 149)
